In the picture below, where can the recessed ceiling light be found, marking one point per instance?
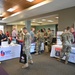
(57, 17)
(10, 9)
(30, 0)
(50, 21)
(34, 20)
(39, 22)
(43, 19)
(13, 8)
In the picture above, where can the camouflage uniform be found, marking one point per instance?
(27, 46)
(66, 39)
(49, 39)
(40, 40)
(45, 36)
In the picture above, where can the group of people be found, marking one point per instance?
(43, 38)
(67, 38)
(29, 38)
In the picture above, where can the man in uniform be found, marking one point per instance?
(40, 41)
(66, 38)
(49, 38)
(27, 46)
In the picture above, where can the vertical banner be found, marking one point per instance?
(59, 37)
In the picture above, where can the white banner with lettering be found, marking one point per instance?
(9, 52)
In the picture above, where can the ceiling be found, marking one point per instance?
(42, 7)
(48, 20)
(18, 5)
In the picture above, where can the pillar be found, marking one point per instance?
(28, 25)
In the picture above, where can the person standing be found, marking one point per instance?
(26, 47)
(40, 42)
(49, 38)
(7, 34)
(3, 37)
(66, 39)
(32, 34)
(14, 33)
(73, 32)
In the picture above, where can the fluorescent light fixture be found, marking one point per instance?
(50, 21)
(30, 0)
(11, 9)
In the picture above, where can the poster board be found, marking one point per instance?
(59, 37)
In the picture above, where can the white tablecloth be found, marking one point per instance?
(72, 54)
(10, 52)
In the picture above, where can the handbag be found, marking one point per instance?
(23, 58)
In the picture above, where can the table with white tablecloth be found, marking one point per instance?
(9, 52)
(55, 52)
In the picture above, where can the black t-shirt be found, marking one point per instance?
(2, 37)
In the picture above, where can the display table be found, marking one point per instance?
(9, 52)
(55, 52)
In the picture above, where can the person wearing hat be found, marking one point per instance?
(26, 47)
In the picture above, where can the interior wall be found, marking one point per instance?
(8, 28)
(19, 27)
(52, 27)
(66, 17)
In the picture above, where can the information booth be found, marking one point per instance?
(55, 49)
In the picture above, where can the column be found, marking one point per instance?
(28, 25)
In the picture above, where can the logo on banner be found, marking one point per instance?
(2, 53)
(57, 51)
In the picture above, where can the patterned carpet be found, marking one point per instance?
(43, 65)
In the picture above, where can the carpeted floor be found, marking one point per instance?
(2, 71)
(43, 65)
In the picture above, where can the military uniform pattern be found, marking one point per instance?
(66, 39)
(50, 37)
(40, 40)
(27, 46)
